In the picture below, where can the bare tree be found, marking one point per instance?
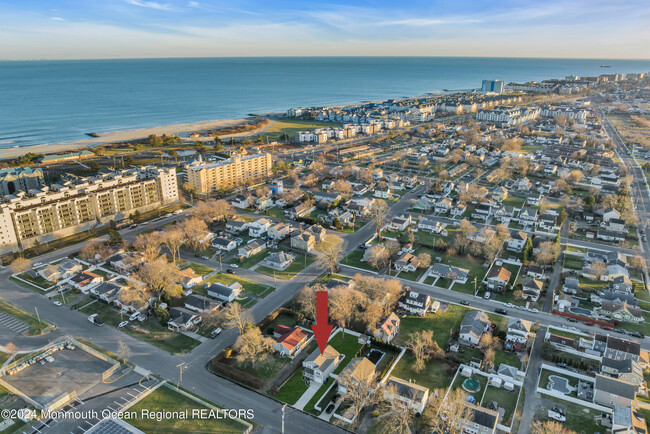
(252, 347)
(307, 300)
(420, 344)
(378, 256)
(371, 314)
(424, 260)
(89, 251)
(393, 246)
(638, 262)
(194, 229)
(598, 269)
(445, 414)
(343, 188)
(173, 239)
(20, 265)
(343, 303)
(488, 357)
(359, 393)
(547, 254)
(11, 348)
(379, 214)
(149, 245)
(549, 427)
(123, 350)
(330, 257)
(234, 317)
(161, 278)
(397, 414)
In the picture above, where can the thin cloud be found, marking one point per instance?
(423, 22)
(151, 5)
(57, 19)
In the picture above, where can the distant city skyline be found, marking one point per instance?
(82, 29)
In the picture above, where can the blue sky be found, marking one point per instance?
(64, 29)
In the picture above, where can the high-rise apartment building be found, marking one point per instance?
(14, 179)
(493, 86)
(59, 210)
(207, 177)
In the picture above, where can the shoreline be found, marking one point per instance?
(175, 129)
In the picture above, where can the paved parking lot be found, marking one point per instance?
(8, 322)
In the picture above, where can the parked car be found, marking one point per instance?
(336, 398)
(123, 324)
(589, 323)
(606, 327)
(464, 302)
(230, 271)
(133, 226)
(329, 409)
(571, 319)
(501, 311)
(510, 305)
(487, 295)
(619, 331)
(234, 265)
(636, 334)
(216, 332)
(58, 303)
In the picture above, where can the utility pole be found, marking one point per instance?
(180, 367)
(283, 407)
(37, 315)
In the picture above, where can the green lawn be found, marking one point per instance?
(36, 326)
(354, 259)
(105, 312)
(508, 358)
(293, 389)
(199, 269)
(309, 407)
(36, 280)
(251, 287)
(506, 399)
(290, 127)
(300, 263)
(347, 345)
(160, 336)
(67, 297)
(253, 260)
(578, 418)
(264, 370)
(167, 399)
(442, 324)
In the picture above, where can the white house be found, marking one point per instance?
(259, 227)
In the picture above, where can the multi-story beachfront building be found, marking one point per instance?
(208, 177)
(15, 179)
(59, 210)
(493, 86)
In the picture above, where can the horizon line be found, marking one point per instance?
(320, 57)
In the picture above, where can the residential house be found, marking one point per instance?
(237, 225)
(106, 291)
(279, 260)
(279, 231)
(387, 328)
(85, 280)
(264, 202)
(519, 331)
(458, 210)
(527, 216)
(323, 196)
(615, 225)
(125, 262)
(625, 369)
(360, 370)
(621, 283)
(563, 302)
(443, 205)
(414, 302)
(479, 420)
(499, 194)
(618, 348)
(63, 270)
(571, 285)
(610, 213)
(482, 236)
(523, 184)
(610, 236)
(223, 244)
(225, 293)
(259, 227)
(622, 311)
(517, 241)
(290, 340)
(611, 392)
(547, 222)
(360, 206)
(536, 272)
(474, 324)
(345, 217)
(383, 193)
(400, 223)
(317, 367)
(531, 289)
(301, 210)
(415, 396)
(240, 201)
(504, 214)
(304, 241)
(427, 224)
(483, 212)
(188, 278)
(406, 262)
(449, 272)
(181, 319)
(628, 420)
(497, 279)
(199, 304)
(252, 248)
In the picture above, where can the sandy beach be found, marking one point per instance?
(119, 136)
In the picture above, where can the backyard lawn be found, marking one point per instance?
(506, 399)
(441, 323)
(301, 262)
(201, 270)
(167, 399)
(251, 287)
(348, 345)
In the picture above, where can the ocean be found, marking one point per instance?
(45, 102)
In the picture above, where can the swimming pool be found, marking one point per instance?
(580, 311)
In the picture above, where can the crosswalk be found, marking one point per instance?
(9, 322)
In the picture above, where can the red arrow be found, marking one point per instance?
(321, 329)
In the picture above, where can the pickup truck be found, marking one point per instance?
(95, 320)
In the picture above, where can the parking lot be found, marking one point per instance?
(70, 371)
(119, 391)
(9, 324)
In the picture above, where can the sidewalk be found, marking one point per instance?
(307, 396)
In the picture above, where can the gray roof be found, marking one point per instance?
(474, 323)
(615, 387)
